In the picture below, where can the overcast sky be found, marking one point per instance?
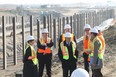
(52, 1)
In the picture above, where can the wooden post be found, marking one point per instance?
(78, 27)
(44, 21)
(48, 22)
(59, 28)
(54, 25)
(38, 29)
(23, 35)
(4, 42)
(75, 25)
(31, 25)
(67, 20)
(14, 41)
(71, 23)
(51, 26)
(63, 24)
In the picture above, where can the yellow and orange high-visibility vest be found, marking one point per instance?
(33, 54)
(48, 50)
(86, 43)
(100, 36)
(65, 50)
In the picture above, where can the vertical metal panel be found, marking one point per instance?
(31, 25)
(14, 41)
(23, 34)
(4, 42)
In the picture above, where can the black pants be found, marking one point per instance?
(70, 67)
(86, 63)
(44, 60)
(96, 73)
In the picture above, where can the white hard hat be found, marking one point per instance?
(87, 26)
(94, 30)
(79, 73)
(30, 37)
(68, 35)
(67, 26)
(97, 27)
(45, 31)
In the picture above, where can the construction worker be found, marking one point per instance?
(44, 53)
(86, 39)
(96, 56)
(80, 73)
(68, 55)
(67, 28)
(30, 60)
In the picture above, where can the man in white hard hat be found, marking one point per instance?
(68, 55)
(67, 28)
(44, 53)
(80, 73)
(86, 39)
(30, 59)
(96, 58)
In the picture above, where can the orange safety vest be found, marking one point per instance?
(86, 43)
(48, 50)
(72, 38)
(100, 36)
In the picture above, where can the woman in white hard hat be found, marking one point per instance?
(30, 60)
(44, 53)
(96, 58)
(80, 73)
(86, 39)
(68, 55)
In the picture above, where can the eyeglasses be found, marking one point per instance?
(87, 30)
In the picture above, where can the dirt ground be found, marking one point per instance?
(109, 69)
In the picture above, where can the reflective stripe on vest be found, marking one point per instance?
(65, 50)
(33, 54)
(48, 50)
(72, 38)
(100, 55)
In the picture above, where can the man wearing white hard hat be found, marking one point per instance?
(67, 28)
(86, 39)
(96, 58)
(30, 60)
(45, 53)
(80, 73)
(68, 55)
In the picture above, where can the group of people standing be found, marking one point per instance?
(93, 51)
